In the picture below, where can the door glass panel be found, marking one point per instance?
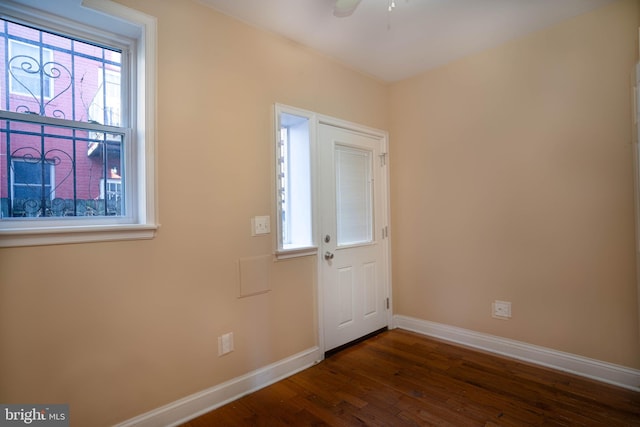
(354, 213)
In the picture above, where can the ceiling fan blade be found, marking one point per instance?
(345, 7)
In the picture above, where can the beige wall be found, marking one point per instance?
(512, 179)
(117, 329)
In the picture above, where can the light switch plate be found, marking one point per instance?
(260, 225)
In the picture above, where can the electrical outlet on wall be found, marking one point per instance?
(501, 309)
(225, 344)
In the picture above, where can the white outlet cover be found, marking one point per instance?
(501, 309)
(225, 344)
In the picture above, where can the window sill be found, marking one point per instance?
(67, 235)
(298, 252)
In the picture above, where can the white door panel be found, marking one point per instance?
(354, 266)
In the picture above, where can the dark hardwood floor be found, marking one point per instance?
(399, 378)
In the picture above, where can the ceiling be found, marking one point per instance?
(416, 36)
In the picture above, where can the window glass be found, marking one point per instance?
(294, 182)
(24, 69)
(77, 122)
(31, 179)
(105, 106)
(55, 164)
(354, 209)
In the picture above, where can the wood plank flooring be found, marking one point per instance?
(400, 378)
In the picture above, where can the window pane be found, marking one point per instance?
(31, 179)
(57, 171)
(100, 90)
(24, 70)
(31, 172)
(294, 182)
(55, 76)
(354, 213)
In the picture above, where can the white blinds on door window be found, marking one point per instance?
(354, 210)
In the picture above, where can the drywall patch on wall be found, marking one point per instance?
(254, 275)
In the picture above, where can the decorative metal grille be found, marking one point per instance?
(61, 123)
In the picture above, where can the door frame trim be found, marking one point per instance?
(383, 136)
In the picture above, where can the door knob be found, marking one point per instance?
(328, 255)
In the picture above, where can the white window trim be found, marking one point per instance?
(280, 251)
(145, 222)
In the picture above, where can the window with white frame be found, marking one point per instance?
(111, 190)
(294, 181)
(31, 179)
(77, 135)
(26, 76)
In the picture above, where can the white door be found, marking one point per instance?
(354, 251)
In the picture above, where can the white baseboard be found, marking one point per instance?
(190, 407)
(594, 369)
